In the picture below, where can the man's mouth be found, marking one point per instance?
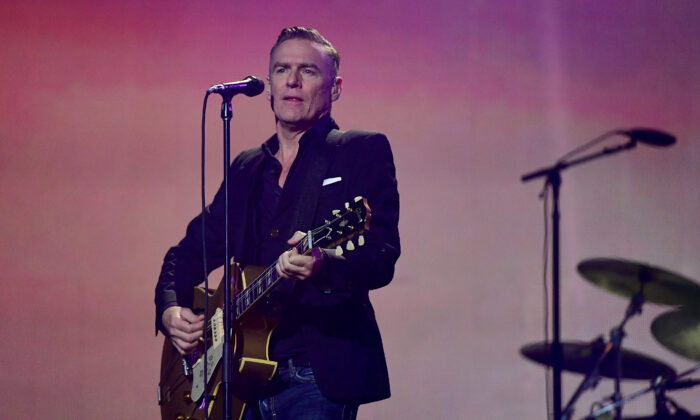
(292, 98)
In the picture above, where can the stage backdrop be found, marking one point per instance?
(100, 136)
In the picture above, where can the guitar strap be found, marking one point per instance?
(307, 202)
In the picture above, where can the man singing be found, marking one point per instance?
(327, 344)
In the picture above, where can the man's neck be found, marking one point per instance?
(288, 140)
(289, 135)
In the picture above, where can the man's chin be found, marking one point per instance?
(295, 124)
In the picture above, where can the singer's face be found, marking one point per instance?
(301, 84)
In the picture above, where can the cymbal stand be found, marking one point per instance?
(591, 379)
(661, 401)
(659, 387)
(614, 347)
(616, 336)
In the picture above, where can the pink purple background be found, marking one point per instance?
(99, 133)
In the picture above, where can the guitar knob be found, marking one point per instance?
(338, 251)
(347, 205)
(358, 198)
(188, 398)
(361, 240)
(350, 246)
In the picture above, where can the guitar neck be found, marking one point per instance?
(264, 283)
(346, 224)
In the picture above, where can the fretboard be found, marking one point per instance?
(264, 283)
(352, 221)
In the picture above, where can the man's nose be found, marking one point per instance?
(293, 79)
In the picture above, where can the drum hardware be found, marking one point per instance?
(677, 330)
(666, 408)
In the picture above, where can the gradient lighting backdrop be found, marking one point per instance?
(100, 146)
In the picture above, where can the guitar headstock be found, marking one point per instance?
(345, 224)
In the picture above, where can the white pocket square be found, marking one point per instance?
(329, 181)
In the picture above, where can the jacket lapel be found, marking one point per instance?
(315, 164)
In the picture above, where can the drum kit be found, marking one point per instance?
(678, 330)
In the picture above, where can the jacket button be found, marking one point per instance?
(274, 233)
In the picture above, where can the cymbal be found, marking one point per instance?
(580, 357)
(679, 331)
(625, 278)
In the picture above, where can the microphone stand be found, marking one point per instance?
(226, 114)
(553, 179)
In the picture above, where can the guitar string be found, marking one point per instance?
(268, 274)
(264, 282)
(249, 295)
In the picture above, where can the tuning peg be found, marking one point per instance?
(350, 246)
(338, 251)
(335, 212)
(327, 221)
(347, 205)
(358, 198)
(361, 240)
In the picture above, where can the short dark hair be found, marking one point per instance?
(300, 32)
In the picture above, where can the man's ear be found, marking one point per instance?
(268, 89)
(336, 88)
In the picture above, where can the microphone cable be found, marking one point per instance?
(204, 260)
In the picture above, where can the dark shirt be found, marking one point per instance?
(271, 221)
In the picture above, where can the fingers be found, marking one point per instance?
(294, 266)
(298, 236)
(196, 321)
(184, 327)
(182, 346)
(184, 341)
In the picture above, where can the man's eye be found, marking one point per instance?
(280, 70)
(308, 71)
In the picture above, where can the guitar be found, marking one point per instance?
(183, 383)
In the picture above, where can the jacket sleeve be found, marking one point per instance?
(183, 266)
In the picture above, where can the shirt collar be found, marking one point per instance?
(319, 131)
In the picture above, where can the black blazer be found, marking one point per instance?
(343, 341)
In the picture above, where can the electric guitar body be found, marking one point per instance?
(185, 390)
(250, 340)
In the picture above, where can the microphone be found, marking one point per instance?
(250, 86)
(649, 136)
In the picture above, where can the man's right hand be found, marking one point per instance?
(184, 327)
